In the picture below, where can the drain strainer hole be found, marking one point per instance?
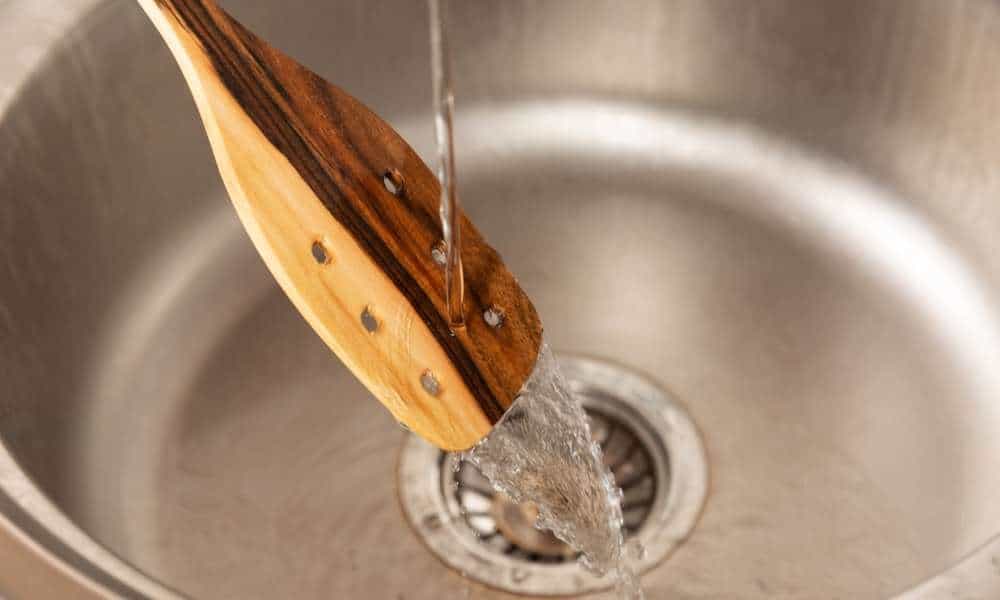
(649, 443)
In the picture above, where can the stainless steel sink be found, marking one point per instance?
(786, 212)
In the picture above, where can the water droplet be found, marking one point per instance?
(494, 317)
(430, 383)
(368, 320)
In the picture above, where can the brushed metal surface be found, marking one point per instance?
(786, 212)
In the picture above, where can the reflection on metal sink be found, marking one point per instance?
(786, 213)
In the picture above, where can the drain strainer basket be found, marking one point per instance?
(650, 444)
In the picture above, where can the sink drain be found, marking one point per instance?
(508, 528)
(649, 443)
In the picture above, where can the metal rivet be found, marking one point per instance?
(368, 320)
(494, 317)
(430, 383)
(392, 179)
(319, 253)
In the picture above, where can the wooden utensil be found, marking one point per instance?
(344, 213)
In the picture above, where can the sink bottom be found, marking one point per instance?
(810, 324)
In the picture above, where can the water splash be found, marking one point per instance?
(542, 452)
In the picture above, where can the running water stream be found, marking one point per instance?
(444, 106)
(541, 451)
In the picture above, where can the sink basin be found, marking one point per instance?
(785, 213)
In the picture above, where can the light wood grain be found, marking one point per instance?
(303, 163)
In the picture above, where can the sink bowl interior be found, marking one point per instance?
(785, 213)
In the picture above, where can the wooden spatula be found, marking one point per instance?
(344, 213)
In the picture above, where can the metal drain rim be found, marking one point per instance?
(662, 425)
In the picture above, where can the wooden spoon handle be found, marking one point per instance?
(311, 173)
